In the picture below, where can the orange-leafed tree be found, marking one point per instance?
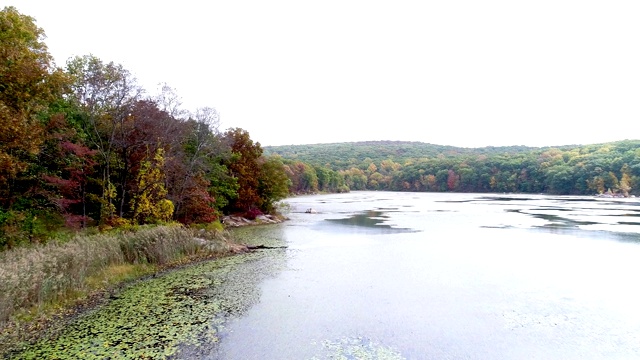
(28, 83)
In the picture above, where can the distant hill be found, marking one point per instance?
(340, 155)
(610, 169)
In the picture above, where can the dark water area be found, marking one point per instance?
(378, 275)
(371, 221)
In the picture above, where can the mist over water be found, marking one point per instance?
(438, 276)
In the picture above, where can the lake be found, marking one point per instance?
(375, 275)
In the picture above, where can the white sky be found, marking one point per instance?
(465, 73)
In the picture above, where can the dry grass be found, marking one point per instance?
(118, 273)
(38, 276)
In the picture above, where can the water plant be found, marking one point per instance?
(179, 313)
(357, 348)
(147, 320)
(41, 279)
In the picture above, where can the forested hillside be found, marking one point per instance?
(612, 168)
(345, 155)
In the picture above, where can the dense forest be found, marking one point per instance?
(84, 146)
(611, 168)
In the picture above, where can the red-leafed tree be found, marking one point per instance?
(72, 183)
(244, 166)
(67, 168)
(452, 180)
(197, 204)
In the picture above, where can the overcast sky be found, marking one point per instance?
(465, 73)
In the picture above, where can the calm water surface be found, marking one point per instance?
(449, 276)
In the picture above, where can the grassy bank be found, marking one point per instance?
(39, 281)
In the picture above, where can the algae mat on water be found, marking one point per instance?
(169, 316)
(356, 348)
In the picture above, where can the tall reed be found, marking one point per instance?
(34, 276)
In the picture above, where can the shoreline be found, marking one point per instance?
(51, 319)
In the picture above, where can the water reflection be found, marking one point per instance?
(584, 217)
(371, 220)
(555, 221)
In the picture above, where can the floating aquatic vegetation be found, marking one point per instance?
(169, 316)
(357, 348)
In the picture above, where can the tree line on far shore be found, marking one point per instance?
(610, 168)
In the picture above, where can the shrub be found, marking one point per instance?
(252, 213)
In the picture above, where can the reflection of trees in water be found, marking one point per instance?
(557, 224)
(371, 219)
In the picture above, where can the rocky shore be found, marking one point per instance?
(237, 221)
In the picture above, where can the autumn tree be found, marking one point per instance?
(144, 131)
(611, 182)
(355, 178)
(199, 181)
(625, 181)
(430, 182)
(150, 204)
(67, 169)
(452, 180)
(106, 92)
(245, 168)
(303, 177)
(376, 181)
(28, 83)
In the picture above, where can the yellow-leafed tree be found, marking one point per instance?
(150, 204)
